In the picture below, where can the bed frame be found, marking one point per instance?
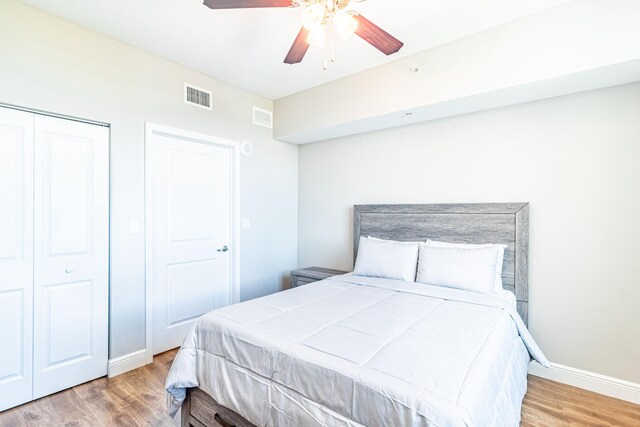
(504, 223)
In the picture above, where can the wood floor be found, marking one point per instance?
(549, 403)
(137, 398)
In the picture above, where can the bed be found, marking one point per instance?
(354, 351)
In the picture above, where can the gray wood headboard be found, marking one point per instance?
(504, 223)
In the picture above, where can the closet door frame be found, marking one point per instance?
(31, 232)
(234, 215)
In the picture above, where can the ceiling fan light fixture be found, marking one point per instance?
(345, 24)
(313, 16)
(317, 37)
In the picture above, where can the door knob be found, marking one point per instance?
(68, 270)
(223, 249)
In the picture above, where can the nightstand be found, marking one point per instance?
(312, 274)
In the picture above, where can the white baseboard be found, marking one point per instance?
(613, 387)
(127, 363)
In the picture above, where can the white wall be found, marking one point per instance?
(54, 65)
(574, 158)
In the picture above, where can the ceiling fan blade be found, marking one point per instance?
(238, 4)
(376, 36)
(298, 48)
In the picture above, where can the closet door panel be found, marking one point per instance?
(16, 257)
(71, 253)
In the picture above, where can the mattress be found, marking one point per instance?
(356, 351)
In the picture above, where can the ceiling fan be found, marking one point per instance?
(316, 14)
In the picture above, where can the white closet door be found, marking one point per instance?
(190, 229)
(71, 253)
(16, 257)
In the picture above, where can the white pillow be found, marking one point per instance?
(501, 248)
(387, 258)
(470, 269)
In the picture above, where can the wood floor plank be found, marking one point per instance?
(137, 398)
(549, 403)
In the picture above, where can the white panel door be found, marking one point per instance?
(16, 257)
(190, 231)
(71, 253)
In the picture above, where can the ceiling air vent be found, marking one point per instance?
(262, 117)
(198, 97)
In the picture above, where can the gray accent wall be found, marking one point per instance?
(53, 65)
(573, 158)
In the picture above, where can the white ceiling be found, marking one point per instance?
(246, 47)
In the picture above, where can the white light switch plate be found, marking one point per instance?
(245, 223)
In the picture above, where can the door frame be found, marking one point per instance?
(234, 215)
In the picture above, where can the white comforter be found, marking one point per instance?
(351, 351)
